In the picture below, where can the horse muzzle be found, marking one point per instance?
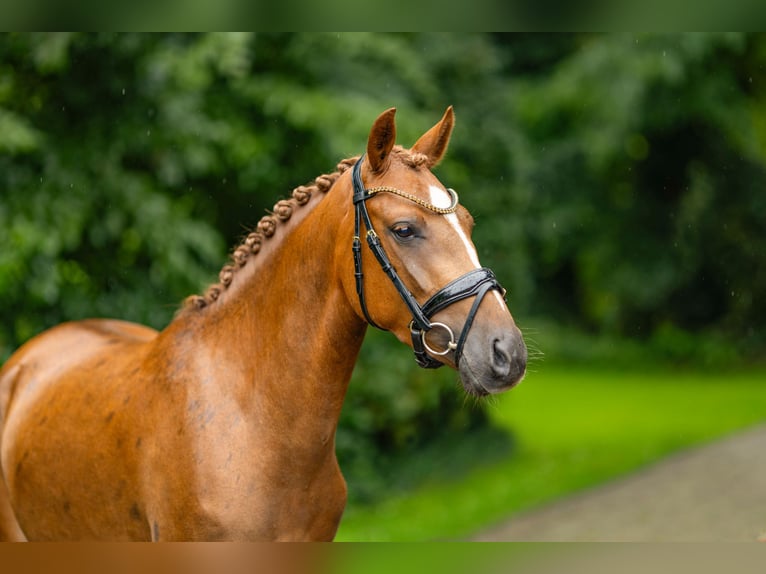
(493, 361)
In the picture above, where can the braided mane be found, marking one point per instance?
(265, 229)
(281, 213)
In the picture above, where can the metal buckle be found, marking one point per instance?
(451, 346)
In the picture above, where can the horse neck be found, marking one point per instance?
(284, 333)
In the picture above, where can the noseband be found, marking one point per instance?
(477, 282)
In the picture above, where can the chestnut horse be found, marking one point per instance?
(222, 425)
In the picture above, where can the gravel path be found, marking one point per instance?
(715, 492)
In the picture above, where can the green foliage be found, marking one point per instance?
(643, 167)
(90, 224)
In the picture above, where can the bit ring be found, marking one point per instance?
(451, 346)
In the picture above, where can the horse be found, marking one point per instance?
(222, 425)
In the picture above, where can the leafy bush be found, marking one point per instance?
(643, 169)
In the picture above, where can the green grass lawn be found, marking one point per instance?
(573, 427)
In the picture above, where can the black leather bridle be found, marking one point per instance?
(477, 282)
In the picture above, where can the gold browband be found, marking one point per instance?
(431, 207)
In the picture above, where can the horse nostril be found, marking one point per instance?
(501, 358)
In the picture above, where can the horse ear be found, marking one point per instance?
(381, 140)
(434, 142)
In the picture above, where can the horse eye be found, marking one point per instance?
(403, 231)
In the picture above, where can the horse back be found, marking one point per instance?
(58, 351)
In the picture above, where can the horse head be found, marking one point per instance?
(419, 275)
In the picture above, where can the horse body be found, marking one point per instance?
(222, 426)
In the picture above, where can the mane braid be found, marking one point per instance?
(412, 159)
(265, 229)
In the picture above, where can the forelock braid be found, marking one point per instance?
(265, 229)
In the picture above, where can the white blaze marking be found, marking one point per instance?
(440, 198)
